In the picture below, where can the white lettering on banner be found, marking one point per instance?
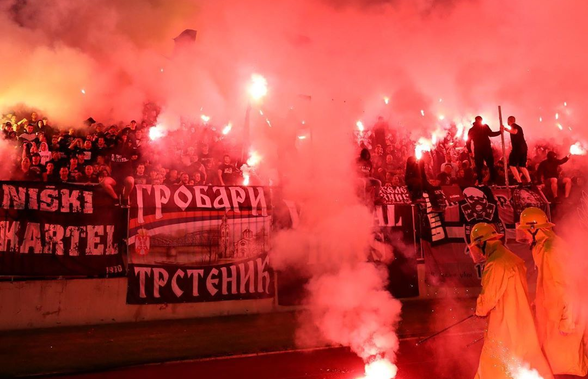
(255, 200)
(211, 283)
(49, 202)
(162, 195)
(32, 239)
(247, 277)
(263, 274)
(54, 238)
(226, 279)
(238, 196)
(181, 203)
(170, 284)
(140, 206)
(70, 199)
(195, 274)
(8, 235)
(202, 201)
(437, 232)
(10, 196)
(391, 215)
(222, 201)
(177, 291)
(74, 233)
(94, 247)
(33, 198)
(111, 247)
(160, 277)
(143, 272)
(88, 204)
(228, 198)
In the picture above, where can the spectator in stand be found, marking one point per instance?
(445, 177)
(155, 178)
(74, 169)
(33, 120)
(417, 183)
(172, 177)
(548, 174)
(44, 153)
(518, 156)
(227, 172)
(64, 176)
(184, 179)
(387, 182)
(44, 127)
(198, 181)
(89, 177)
(364, 164)
(205, 155)
(449, 162)
(140, 177)
(380, 129)
(87, 152)
(23, 172)
(101, 165)
(110, 137)
(36, 167)
(8, 131)
(50, 175)
(479, 135)
(101, 146)
(211, 175)
(29, 136)
(57, 160)
(121, 169)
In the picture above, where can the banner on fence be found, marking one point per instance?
(60, 230)
(239, 280)
(182, 231)
(446, 235)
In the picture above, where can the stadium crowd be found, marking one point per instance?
(387, 158)
(119, 156)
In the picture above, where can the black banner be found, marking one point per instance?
(60, 230)
(243, 280)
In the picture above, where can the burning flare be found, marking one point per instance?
(360, 126)
(258, 87)
(525, 372)
(577, 149)
(422, 145)
(156, 132)
(380, 369)
(254, 159)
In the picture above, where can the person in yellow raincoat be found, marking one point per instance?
(510, 341)
(561, 331)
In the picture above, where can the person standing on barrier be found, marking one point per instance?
(480, 135)
(561, 331)
(510, 340)
(517, 160)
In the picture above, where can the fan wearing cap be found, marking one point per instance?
(510, 338)
(560, 329)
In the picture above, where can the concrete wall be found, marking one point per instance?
(50, 303)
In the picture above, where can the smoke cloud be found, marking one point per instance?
(327, 63)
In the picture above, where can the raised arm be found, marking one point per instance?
(491, 133)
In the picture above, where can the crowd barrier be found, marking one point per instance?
(198, 251)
